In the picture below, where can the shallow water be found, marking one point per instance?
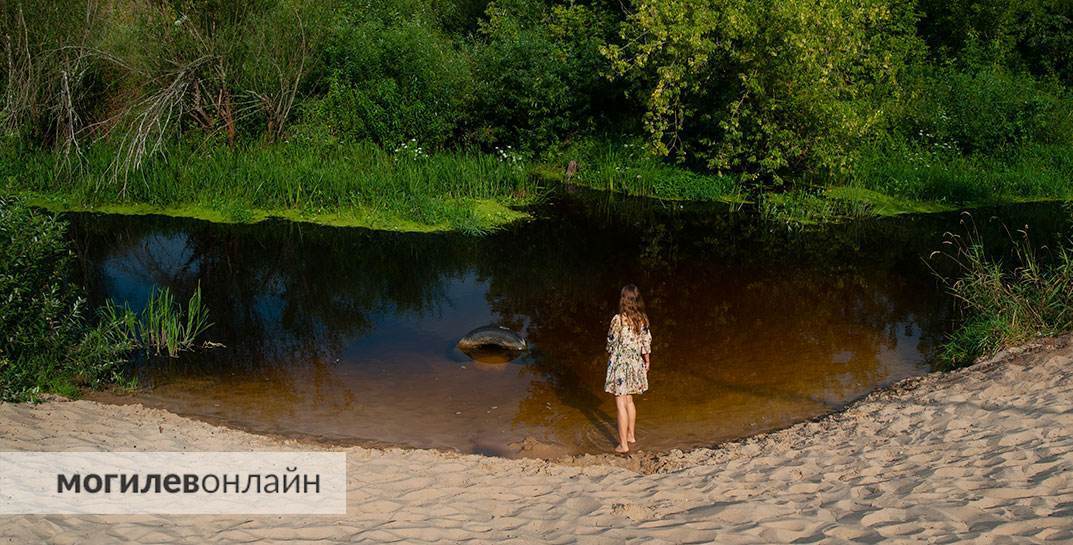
(348, 335)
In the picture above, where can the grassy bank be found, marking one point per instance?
(409, 189)
(351, 185)
(442, 114)
(624, 166)
(884, 181)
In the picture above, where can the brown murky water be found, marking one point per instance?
(348, 335)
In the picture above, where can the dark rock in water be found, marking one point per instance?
(492, 337)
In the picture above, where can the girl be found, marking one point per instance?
(629, 342)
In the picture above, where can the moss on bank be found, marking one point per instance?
(853, 202)
(484, 214)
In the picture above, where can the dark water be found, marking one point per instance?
(348, 335)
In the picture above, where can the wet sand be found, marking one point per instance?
(983, 455)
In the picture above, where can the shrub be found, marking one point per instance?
(767, 88)
(1036, 36)
(46, 344)
(989, 111)
(540, 72)
(973, 137)
(392, 75)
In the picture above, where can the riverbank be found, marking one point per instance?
(983, 454)
(352, 185)
(478, 216)
(409, 189)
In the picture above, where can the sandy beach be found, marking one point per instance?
(982, 455)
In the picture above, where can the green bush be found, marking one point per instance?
(391, 75)
(767, 88)
(980, 136)
(539, 71)
(988, 111)
(1034, 37)
(46, 343)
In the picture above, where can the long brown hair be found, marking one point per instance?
(631, 308)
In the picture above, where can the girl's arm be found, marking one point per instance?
(646, 347)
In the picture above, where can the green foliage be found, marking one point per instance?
(143, 72)
(990, 111)
(908, 171)
(163, 326)
(46, 343)
(769, 87)
(1005, 303)
(981, 136)
(304, 177)
(540, 71)
(963, 101)
(50, 84)
(391, 75)
(1034, 36)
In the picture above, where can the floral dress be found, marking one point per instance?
(626, 373)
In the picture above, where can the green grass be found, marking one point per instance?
(346, 185)
(1004, 300)
(941, 179)
(625, 167)
(362, 185)
(903, 181)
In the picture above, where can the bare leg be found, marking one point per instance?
(623, 424)
(631, 412)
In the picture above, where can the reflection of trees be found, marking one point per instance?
(278, 293)
(738, 304)
(728, 294)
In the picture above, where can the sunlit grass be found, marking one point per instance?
(354, 185)
(1033, 172)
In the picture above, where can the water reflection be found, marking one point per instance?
(349, 335)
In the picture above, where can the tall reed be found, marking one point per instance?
(163, 325)
(1004, 302)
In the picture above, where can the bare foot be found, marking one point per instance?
(622, 449)
(632, 439)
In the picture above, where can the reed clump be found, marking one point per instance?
(163, 326)
(1004, 300)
